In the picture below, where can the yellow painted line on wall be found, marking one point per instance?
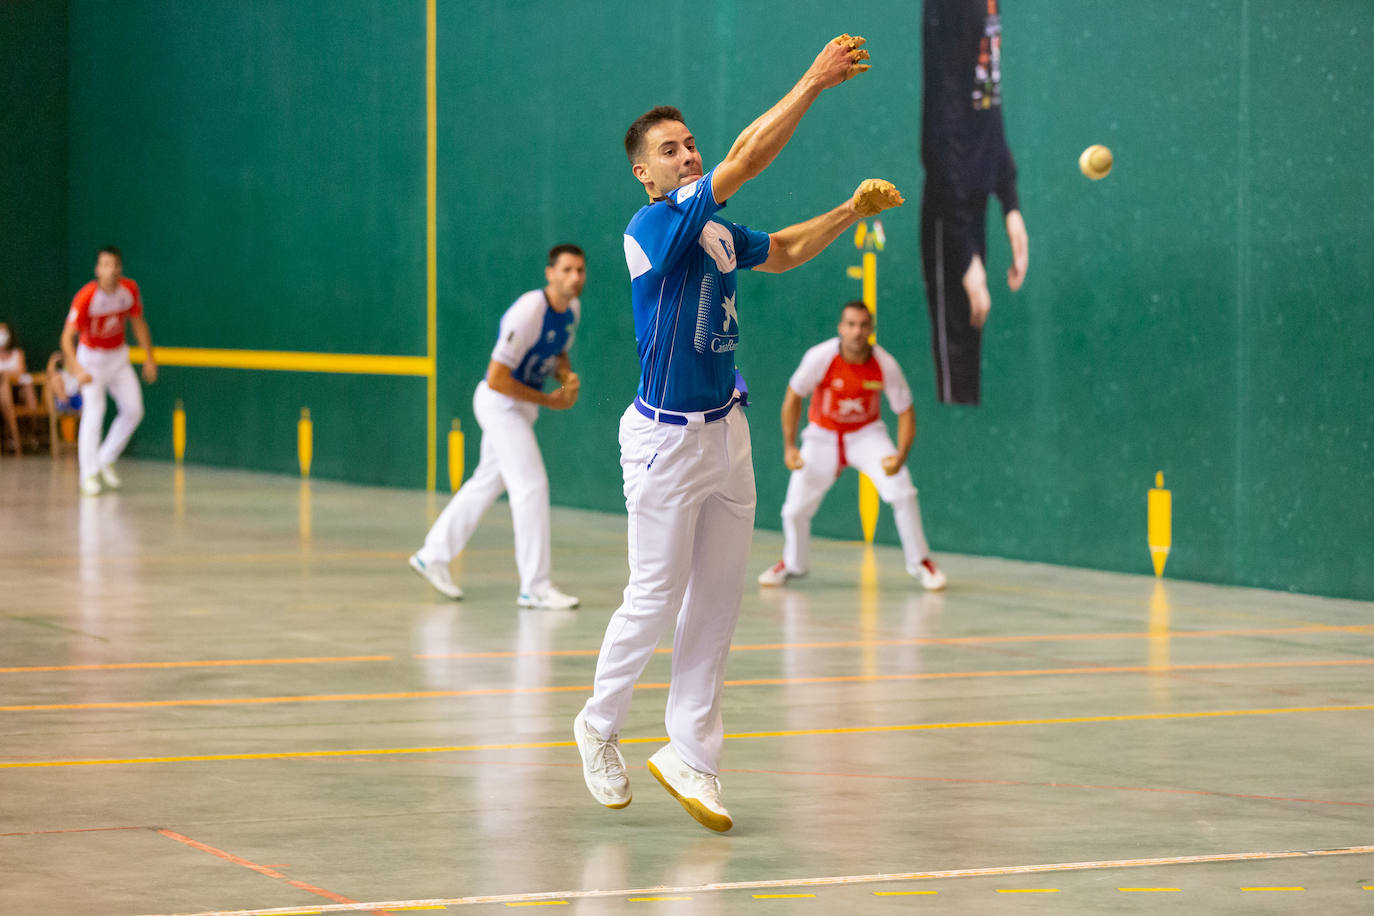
(290, 361)
(537, 745)
(431, 237)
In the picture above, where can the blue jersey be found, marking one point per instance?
(532, 336)
(682, 261)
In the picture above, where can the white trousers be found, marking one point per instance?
(510, 463)
(110, 374)
(690, 496)
(864, 449)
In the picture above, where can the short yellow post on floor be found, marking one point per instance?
(305, 441)
(455, 456)
(178, 432)
(1159, 522)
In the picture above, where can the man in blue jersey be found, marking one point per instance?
(684, 447)
(533, 343)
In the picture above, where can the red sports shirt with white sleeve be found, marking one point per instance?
(845, 396)
(100, 316)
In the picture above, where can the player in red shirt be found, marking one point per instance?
(100, 362)
(848, 376)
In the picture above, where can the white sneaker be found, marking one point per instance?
(437, 576)
(549, 598)
(603, 767)
(109, 478)
(698, 792)
(777, 574)
(90, 485)
(932, 579)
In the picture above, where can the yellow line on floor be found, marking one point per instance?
(947, 641)
(744, 682)
(205, 663)
(539, 745)
(831, 881)
(1150, 890)
(779, 896)
(761, 647)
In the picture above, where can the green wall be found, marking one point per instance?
(1205, 310)
(33, 173)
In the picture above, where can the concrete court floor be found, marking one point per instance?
(223, 691)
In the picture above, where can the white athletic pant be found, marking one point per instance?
(689, 491)
(511, 463)
(110, 373)
(865, 449)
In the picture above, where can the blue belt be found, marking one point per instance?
(679, 418)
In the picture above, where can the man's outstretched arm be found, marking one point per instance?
(801, 242)
(756, 148)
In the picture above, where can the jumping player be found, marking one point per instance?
(684, 447)
(845, 377)
(536, 334)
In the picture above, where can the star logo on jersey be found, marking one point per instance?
(730, 313)
(848, 407)
(551, 335)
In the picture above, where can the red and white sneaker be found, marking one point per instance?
(932, 579)
(777, 574)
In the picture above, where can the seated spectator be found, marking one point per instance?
(66, 390)
(14, 375)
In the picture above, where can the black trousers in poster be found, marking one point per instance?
(951, 234)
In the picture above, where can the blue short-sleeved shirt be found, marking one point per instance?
(682, 260)
(533, 335)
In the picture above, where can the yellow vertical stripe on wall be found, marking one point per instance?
(431, 240)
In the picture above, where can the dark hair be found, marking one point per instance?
(857, 304)
(634, 137)
(565, 248)
(111, 249)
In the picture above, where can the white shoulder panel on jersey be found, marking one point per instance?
(719, 244)
(894, 382)
(812, 368)
(635, 258)
(520, 328)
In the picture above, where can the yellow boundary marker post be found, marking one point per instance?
(178, 432)
(1159, 523)
(305, 441)
(455, 456)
